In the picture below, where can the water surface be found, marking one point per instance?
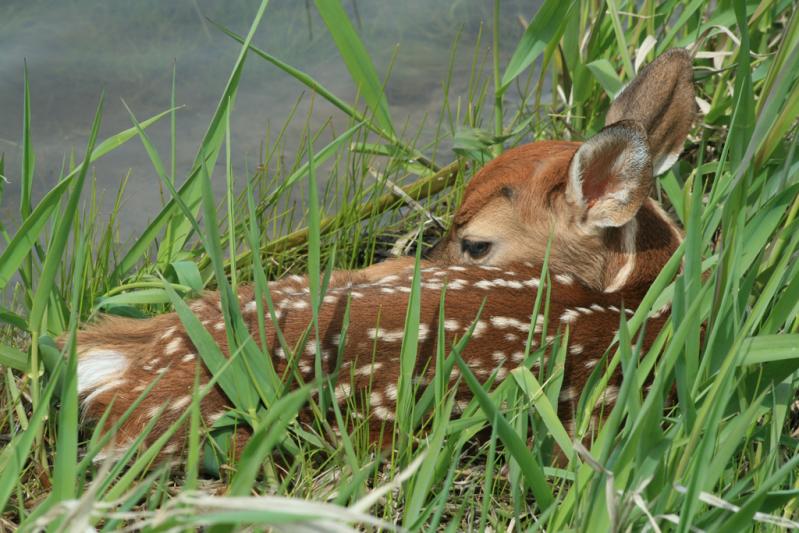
(77, 49)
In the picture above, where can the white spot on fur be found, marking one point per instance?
(452, 325)
(219, 326)
(498, 356)
(98, 366)
(457, 268)
(180, 403)
(375, 399)
(388, 279)
(457, 284)
(490, 268)
(174, 346)
(368, 370)
(385, 335)
(383, 413)
(391, 391)
(539, 323)
(212, 418)
(251, 307)
(568, 394)
(584, 310)
(342, 391)
(570, 316)
(479, 328)
(564, 279)
(153, 411)
(387, 290)
(662, 311)
(424, 332)
(330, 299)
(169, 332)
(502, 373)
(576, 349)
(169, 449)
(484, 284)
(511, 337)
(598, 308)
(517, 357)
(609, 395)
(299, 304)
(504, 322)
(591, 363)
(188, 358)
(532, 282)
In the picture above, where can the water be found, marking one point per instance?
(76, 49)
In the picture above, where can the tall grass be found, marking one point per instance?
(723, 457)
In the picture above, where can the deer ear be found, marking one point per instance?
(610, 175)
(661, 98)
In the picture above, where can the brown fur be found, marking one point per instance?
(370, 365)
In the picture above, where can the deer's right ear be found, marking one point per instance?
(610, 176)
(661, 98)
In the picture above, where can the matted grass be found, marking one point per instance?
(723, 458)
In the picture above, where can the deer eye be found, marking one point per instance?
(475, 249)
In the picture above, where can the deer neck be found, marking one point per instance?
(640, 249)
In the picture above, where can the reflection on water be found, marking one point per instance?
(76, 49)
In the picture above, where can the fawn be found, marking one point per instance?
(608, 242)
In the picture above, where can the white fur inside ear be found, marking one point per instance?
(619, 162)
(663, 164)
(98, 366)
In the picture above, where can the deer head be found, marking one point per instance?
(592, 199)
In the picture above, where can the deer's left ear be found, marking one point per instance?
(661, 99)
(610, 175)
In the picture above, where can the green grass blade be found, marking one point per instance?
(357, 60)
(271, 431)
(28, 233)
(546, 27)
(13, 358)
(15, 453)
(28, 157)
(206, 156)
(533, 474)
(55, 254)
(66, 461)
